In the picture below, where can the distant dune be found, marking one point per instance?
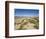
(26, 16)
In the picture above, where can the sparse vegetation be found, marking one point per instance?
(24, 23)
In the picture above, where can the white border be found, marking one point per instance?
(13, 6)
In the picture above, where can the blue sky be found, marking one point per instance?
(26, 12)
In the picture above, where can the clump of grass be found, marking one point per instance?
(36, 26)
